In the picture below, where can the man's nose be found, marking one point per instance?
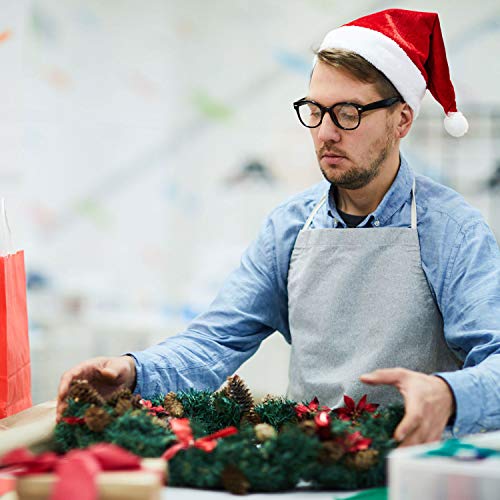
(328, 131)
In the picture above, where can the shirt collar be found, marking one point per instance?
(397, 195)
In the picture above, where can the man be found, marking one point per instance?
(376, 270)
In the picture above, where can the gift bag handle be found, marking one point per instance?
(6, 247)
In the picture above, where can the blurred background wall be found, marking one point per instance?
(143, 142)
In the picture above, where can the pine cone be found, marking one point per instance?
(122, 406)
(264, 432)
(269, 398)
(362, 460)
(308, 427)
(238, 391)
(251, 417)
(160, 423)
(234, 480)
(97, 418)
(136, 401)
(331, 452)
(173, 406)
(120, 393)
(81, 391)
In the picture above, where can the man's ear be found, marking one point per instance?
(405, 120)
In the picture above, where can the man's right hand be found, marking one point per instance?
(105, 375)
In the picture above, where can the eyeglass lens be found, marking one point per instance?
(347, 115)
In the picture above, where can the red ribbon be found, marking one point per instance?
(182, 429)
(73, 420)
(76, 471)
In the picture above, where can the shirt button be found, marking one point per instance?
(456, 429)
(376, 223)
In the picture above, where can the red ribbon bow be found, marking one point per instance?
(76, 471)
(182, 429)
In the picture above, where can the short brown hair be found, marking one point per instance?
(359, 68)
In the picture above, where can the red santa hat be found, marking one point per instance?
(407, 46)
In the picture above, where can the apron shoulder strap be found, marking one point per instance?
(413, 207)
(314, 212)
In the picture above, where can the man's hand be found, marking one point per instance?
(429, 403)
(105, 375)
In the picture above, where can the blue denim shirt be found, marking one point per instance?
(460, 258)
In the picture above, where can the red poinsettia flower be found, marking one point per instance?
(302, 410)
(352, 411)
(153, 410)
(354, 442)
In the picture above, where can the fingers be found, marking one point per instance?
(104, 373)
(426, 432)
(84, 370)
(108, 373)
(412, 420)
(390, 376)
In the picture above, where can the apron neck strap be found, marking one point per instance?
(413, 207)
(315, 211)
(323, 199)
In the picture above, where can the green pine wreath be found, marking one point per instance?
(265, 447)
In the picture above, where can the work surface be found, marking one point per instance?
(189, 493)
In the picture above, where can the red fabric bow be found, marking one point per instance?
(182, 429)
(76, 471)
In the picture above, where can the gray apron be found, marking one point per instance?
(359, 300)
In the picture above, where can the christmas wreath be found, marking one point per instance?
(224, 440)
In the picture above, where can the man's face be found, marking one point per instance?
(350, 159)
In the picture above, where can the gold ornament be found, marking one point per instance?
(264, 432)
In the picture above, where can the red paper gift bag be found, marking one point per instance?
(15, 369)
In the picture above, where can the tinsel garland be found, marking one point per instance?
(279, 443)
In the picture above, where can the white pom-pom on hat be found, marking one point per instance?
(456, 124)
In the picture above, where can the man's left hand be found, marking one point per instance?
(429, 403)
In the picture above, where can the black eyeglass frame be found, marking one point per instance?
(384, 103)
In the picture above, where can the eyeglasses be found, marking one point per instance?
(346, 115)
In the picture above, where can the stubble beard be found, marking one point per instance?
(359, 177)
